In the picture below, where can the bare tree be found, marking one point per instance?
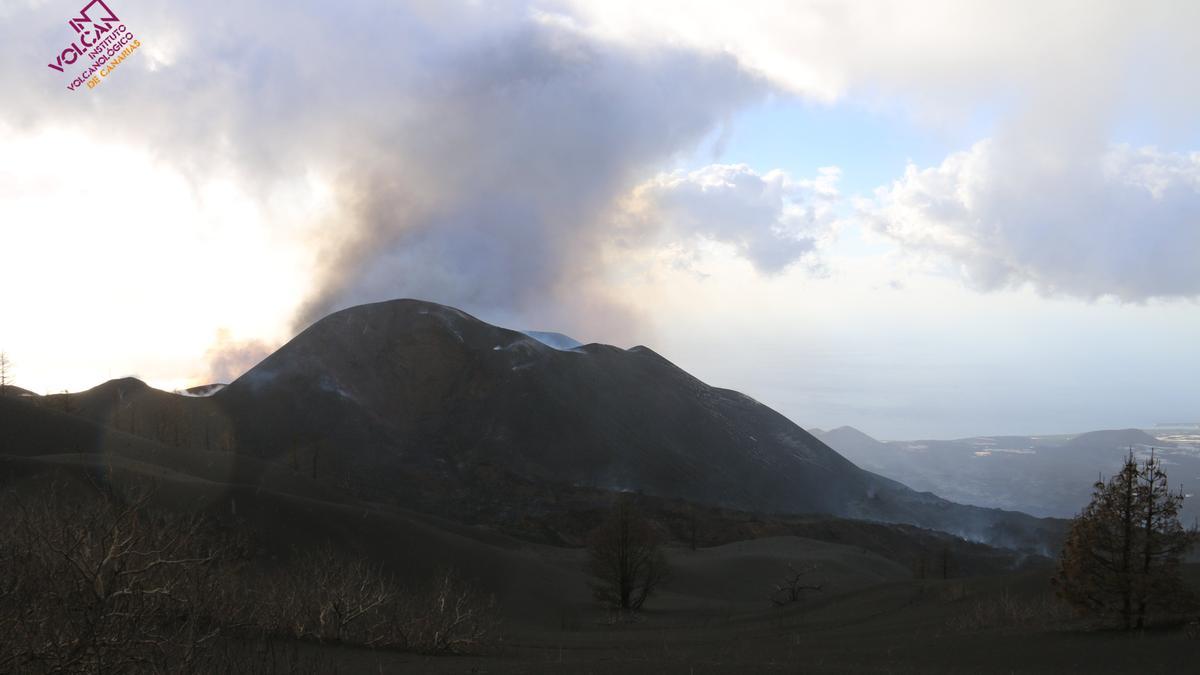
(626, 558)
(694, 522)
(945, 561)
(307, 450)
(794, 586)
(5, 373)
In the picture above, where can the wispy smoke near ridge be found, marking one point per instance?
(229, 358)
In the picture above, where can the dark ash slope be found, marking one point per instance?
(428, 406)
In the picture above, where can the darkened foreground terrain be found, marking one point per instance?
(884, 606)
(401, 473)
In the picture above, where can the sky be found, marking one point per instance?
(924, 219)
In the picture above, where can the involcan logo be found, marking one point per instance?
(101, 40)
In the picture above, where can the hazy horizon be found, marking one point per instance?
(895, 423)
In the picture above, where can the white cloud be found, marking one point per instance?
(1053, 199)
(942, 52)
(771, 220)
(1122, 221)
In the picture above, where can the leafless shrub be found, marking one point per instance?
(449, 616)
(93, 582)
(794, 586)
(327, 597)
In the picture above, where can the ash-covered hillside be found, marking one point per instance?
(424, 405)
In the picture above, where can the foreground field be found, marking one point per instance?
(883, 607)
(993, 625)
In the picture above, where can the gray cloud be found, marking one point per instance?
(513, 166)
(477, 151)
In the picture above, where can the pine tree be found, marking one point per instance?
(1122, 554)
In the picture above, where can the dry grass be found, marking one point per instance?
(1007, 610)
